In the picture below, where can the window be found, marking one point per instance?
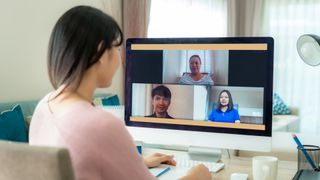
(296, 82)
(188, 18)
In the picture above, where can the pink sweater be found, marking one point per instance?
(99, 144)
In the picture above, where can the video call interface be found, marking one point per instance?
(211, 86)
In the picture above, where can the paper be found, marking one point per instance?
(160, 170)
(174, 173)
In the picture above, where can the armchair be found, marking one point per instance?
(23, 161)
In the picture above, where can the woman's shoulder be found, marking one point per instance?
(83, 117)
(185, 79)
(98, 115)
(207, 78)
(233, 110)
(185, 76)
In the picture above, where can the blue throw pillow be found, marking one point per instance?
(12, 125)
(108, 100)
(279, 107)
(111, 101)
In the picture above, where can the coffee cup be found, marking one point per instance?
(264, 168)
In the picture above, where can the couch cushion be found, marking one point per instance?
(278, 106)
(106, 100)
(12, 125)
(27, 107)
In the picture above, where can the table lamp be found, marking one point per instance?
(308, 47)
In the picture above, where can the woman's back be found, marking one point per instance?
(99, 145)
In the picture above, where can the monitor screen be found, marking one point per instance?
(220, 85)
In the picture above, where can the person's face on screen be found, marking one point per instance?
(224, 99)
(160, 104)
(195, 65)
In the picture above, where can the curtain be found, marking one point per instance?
(297, 83)
(136, 18)
(244, 17)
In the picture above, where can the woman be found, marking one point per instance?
(224, 112)
(84, 55)
(195, 77)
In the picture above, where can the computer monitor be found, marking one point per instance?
(176, 90)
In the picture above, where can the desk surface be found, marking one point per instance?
(286, 169)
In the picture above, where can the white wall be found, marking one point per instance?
(24, 36)
(172, 62)
(181, 101)
(200, 102)
(220, 67)
(249, 99)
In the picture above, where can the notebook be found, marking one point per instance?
(159, 170)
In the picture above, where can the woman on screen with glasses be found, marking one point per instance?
(84, 55)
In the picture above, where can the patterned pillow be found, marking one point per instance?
(278, 106)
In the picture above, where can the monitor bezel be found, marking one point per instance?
(268, 90)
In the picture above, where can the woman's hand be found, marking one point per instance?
(156, 159)
(198, 172)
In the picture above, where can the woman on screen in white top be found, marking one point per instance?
(195, 77)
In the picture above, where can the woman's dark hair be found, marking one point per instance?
(197, 56)
(161, 91)
(74, 43)
(230, 104)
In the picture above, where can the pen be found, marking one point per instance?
(304, 152)
(164, 171)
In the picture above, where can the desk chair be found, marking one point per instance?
(23, 161)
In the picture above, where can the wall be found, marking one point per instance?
(182, 100)
(220, 67)
(24, 36)
(172, 63)
(246, 97)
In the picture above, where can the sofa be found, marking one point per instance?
(15, 117)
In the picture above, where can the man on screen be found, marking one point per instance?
(161, 98)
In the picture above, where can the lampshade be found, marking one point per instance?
(308, 47)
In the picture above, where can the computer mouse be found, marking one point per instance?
(239, 176)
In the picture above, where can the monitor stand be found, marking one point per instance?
(204, 154)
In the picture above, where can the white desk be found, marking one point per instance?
(286, 169)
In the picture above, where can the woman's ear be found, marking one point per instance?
(99, 49)
(99, 46)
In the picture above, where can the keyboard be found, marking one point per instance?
(188, 163)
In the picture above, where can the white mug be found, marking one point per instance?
(264, 168)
